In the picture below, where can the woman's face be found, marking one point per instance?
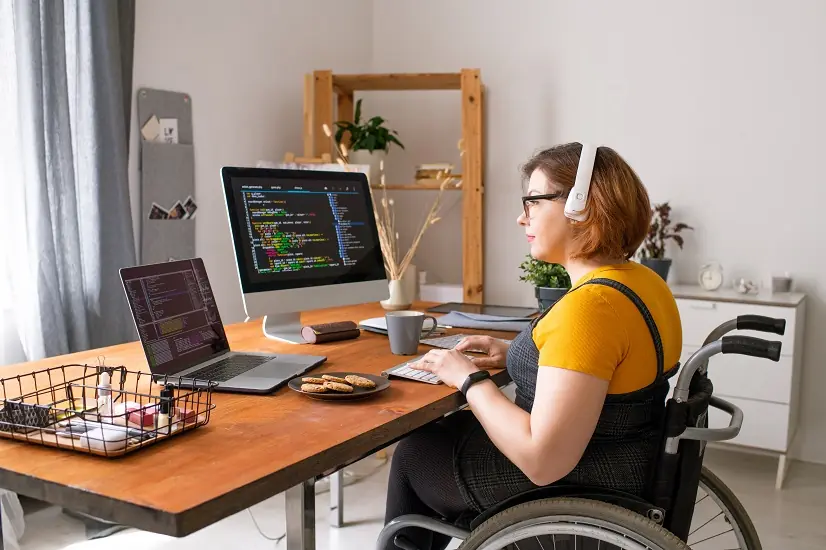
(546, 226)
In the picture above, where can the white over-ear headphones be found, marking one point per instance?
(575, 205)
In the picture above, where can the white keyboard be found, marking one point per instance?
(449, 342)
(404, 371)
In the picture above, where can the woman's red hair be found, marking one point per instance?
(618, 209)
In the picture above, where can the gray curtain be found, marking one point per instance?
(74, 86)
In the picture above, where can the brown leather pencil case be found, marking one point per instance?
(330, 332)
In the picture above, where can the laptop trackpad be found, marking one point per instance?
(283, 367)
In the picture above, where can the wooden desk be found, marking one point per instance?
(253, 448)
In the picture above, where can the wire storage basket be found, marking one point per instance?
(101, 410)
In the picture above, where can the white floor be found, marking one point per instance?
(791, 519)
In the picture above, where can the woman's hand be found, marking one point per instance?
(496, 351)
(451, 366)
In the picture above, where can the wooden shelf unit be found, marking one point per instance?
(349, 83)
(324, 90)
(415, 187)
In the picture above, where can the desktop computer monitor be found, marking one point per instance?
(303, 239)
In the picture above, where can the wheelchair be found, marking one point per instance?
(674, 513)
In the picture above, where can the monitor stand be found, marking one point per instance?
(285, 327)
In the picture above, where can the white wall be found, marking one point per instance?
(243, 63)
(717, 105)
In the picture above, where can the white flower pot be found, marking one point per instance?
(399, 299)
(363, 156)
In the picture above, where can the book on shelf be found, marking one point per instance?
(433, 170)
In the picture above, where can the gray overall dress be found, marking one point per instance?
(619, 454)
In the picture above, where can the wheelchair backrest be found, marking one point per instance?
(676, 475)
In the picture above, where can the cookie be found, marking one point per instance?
(313, 388)
(333, 379)
(339, 387)
(313, 380)
(359, 381)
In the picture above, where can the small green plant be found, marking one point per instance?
(544, 274)
(661, 230)
(371, 135)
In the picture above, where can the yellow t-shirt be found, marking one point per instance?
(598, 330)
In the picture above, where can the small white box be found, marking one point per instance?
(441, 292)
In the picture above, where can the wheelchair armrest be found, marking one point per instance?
(404, 543)
(711, 434)
(414, 520)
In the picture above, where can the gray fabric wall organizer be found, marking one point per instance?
(167, 172)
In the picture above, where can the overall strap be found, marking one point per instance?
(649, 319)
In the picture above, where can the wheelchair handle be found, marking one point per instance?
(711, 434)
(747, 345)
(759, 323)
(743, 345)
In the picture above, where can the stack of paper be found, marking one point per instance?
(459, 319)
(379, 325)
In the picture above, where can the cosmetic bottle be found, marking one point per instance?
(165, 410)
(105, 397)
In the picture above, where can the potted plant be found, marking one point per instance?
(551, 280)
(370, 140)
(652, 253)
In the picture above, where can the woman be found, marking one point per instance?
(590, 373)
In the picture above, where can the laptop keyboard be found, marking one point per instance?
(228, 368)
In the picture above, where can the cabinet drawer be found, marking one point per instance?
(700, 317)
(748, 377)
(765, 425)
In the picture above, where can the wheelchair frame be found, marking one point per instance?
(677, 470)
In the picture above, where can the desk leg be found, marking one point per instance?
(300, 508)
(2, 544)
(337, 499)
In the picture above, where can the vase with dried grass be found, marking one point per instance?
(397, 263)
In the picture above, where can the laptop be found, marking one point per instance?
(183, 337)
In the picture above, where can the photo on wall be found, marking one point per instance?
(158, 212)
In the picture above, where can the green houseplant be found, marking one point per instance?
(652, 253)
(370, 135)
(550, 280)
(370, 140)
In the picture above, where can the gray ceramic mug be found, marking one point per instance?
(404, 328)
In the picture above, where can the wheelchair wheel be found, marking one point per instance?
(720, 520)
(570, 524)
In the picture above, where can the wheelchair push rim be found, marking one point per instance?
(570, 526)
(551, 523)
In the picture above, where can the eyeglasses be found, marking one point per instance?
(529, 201)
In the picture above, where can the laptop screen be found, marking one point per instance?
(175, 314)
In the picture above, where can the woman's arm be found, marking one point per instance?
(545, 444)
(548, 443)
(580, 343)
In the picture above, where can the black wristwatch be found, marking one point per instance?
(473, 378)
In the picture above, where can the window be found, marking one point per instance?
(12, 246)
